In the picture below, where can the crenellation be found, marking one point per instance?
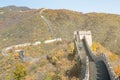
(86, 36)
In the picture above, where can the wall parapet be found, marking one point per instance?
(84, 60)
(104, 58)
(101, 57)
(87, 69)
(4, 50)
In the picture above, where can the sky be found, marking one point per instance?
(85, 6)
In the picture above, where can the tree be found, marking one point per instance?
(20, 72)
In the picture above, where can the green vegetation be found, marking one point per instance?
(48, 77)
(20, 72)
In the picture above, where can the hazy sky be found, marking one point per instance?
(107, 6)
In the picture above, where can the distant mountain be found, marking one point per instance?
(27, 26)
(12, 7)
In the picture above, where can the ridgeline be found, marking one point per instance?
(21, 24)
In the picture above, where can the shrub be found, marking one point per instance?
(117, 70)
(71, 47)
(20, 72)
(94, 46)
(48, 77)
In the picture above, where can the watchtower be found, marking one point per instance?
(84, 34)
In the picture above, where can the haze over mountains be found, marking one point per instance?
(22, 24)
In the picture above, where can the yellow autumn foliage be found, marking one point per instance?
(94, 46)
(117, 70)
(20, 71)
(98, 49)
(113, 57)
(70, 48)
(59, 53)
(16, 54)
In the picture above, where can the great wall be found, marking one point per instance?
(4, 50)
(37, 42)
(86, 60)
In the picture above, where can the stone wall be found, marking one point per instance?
(28, 44)
(82, 34)
(53, 40)
(85, 65)
(84, 71)
(104, 58)
(87, 69)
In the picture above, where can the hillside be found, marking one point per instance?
(20, 25)
(50, 65)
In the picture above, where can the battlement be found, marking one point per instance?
(86, 38)
(86, 34)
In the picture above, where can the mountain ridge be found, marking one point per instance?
(28, 26)
(13, 7)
